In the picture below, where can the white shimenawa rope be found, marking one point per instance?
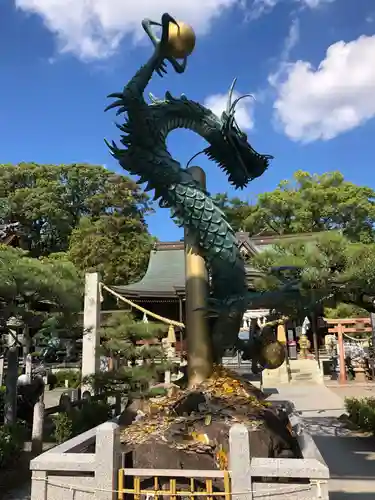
(356, 340)
(142, 309)
(88, 489)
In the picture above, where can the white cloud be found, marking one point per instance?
(93, 29)
(244, 109)
(290, 42)
(313, 4)
(337, 96)
(262, 7)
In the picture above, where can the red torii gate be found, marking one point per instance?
(347, 325)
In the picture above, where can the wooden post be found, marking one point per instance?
(198, 336)
(340, 342)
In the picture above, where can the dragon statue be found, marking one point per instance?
(144, 153)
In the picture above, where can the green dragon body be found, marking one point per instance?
(144, 153)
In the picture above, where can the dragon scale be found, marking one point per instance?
(143, 152)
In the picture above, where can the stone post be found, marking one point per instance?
(75, 395)
(240, 462)
(107, 453)
(38, 423)
(39, 485)
(170, 354)
(91, 325)
(1, 370)
(10, 406)
(28, 367)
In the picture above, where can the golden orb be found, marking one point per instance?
(272, 355)
(181, 41)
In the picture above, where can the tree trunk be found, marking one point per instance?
(26, 343)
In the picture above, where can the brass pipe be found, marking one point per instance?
(199, 349)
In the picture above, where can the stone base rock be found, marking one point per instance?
(191, 430)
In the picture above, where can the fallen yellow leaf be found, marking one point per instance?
(201, 438)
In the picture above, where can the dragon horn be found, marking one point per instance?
(233, 106)
(230, 95)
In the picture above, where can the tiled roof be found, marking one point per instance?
(165, 275)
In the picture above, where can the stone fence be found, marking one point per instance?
(87, 468)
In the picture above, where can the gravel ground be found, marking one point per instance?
(353, 390)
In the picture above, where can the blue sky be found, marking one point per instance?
(313, 109)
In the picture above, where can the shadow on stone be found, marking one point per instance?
(349, 455)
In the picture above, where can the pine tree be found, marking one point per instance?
(135, 352)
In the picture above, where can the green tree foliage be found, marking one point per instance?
(49, 202)
(332, 270)
(12, 441)
(308, 203)
(34, 289)
(345, 311)
(115, 245)
(237, 210)
(126, 341)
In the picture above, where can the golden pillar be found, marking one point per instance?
(199, 349)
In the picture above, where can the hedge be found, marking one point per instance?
(72, 376)
(77, 421)
(361, 412)
(12, 440)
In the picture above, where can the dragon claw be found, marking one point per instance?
(161, 45)
(165, 20)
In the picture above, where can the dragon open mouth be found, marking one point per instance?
(241, 164)
(231, 150)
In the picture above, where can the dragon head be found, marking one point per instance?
(230, 149)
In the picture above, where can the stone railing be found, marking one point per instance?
(87, 467)
(82, 468)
